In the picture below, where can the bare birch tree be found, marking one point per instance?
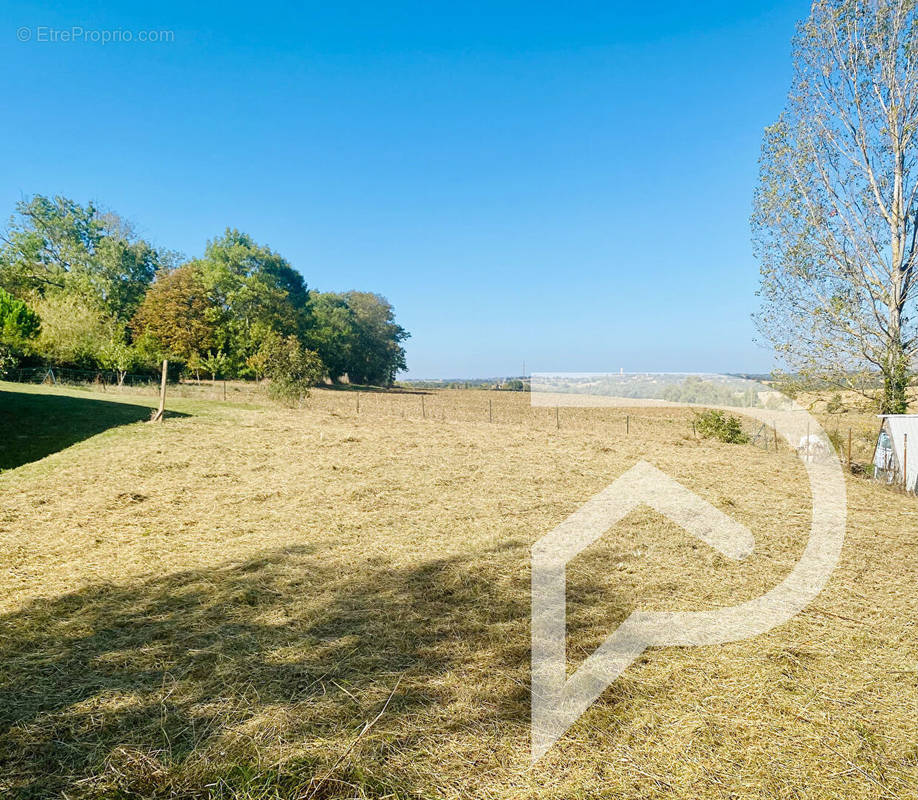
(835, 215)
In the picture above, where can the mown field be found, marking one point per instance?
(218, 606)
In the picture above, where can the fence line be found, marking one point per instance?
(65, 375)
(508, 408)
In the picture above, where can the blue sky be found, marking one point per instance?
(565, 184)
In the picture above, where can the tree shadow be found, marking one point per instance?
(149, 689)
(34, 425)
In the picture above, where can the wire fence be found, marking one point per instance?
(453, 405)
(73, 377)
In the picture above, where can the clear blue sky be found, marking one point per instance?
(567, 184)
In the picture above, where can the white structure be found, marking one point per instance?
(896, 455)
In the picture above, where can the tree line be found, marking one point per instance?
(80, 288)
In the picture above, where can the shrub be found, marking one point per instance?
(835, 405)
(713, 424)
(291, 368)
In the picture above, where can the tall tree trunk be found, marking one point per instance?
(896, 373)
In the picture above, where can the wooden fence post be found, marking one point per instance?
(490, 411)
(358, 402)
(628, 423)
(849, 449)
(423, 409)
(160, 413)
(557, 418)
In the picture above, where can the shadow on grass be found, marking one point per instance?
(181, 683)
(34, 425)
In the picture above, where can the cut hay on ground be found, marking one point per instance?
(216, 606)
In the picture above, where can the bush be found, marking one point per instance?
(291, 368)
(713, 424)
(835, 405)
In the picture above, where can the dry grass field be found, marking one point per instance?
(219, 605)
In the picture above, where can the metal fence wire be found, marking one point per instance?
(67, 376)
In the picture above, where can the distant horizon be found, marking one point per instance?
(528, 375)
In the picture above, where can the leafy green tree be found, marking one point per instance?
(72, 332)
(118, 356)
(57, 246)
(125, 267)
(333, 332)
(49, 240)
(376, 354)
(256, 292)
(178, 314)
(215, 363)
(148, 352)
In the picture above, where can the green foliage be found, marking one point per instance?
(57, 246)
(897, 379)
(838, 440)
(18, 322)
(355, 334)
(118, 356)
(715, 424)
(376, 355)
(333, 332)
(254, 292)
(72, 332)
(835, 405)
(214, 363)
(148, 353)
(178, 314)
(109, 299)
(291, 368)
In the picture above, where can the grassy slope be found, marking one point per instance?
(215, 606)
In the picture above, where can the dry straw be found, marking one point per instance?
(214, 607)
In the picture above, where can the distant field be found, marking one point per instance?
(215, 606)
